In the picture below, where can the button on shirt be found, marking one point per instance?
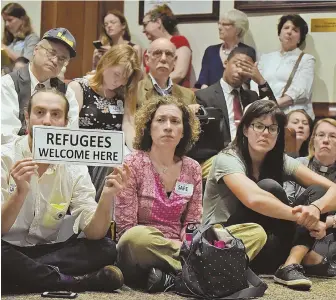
(50, 196)
(229, 97)
(10, 121)
(276, 68)
(161, 91)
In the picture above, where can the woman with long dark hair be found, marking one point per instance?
(245, 185)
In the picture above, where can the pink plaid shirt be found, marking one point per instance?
(145, 202)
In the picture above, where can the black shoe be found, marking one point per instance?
(107, 279)
(323, 269)
(293, 277)
(159, 281)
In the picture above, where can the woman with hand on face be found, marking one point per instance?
(276, 67)
(160, 22)
(163, 196)
(302, 123)
(18, 38)
(232, 27)
(115, 31)
(107, 99)
(256, 161)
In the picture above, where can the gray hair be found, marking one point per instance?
(239, 19)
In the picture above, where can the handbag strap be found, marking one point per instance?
(291, 76)
(257, 290)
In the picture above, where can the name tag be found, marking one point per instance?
(117, 109)
(184, 189)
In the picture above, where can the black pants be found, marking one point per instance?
(282, 235)
(42, 267)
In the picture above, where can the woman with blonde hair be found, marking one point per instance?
(18, 38)
(321, 158)
(160, 22)
(232, 27)
(107, 99)
(115, 31)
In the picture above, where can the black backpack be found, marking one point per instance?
(209, 272)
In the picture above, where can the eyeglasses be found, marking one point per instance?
(260, 127)
(144, 24)
(322, 135)
(158, 54)
(61, 60)
(225, 24)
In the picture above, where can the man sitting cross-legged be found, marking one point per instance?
(35, 198)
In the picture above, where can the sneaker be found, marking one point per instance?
(159, 281)
(323, 269)
(107, 279)
(293, 277)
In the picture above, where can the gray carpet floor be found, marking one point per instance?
(323, 289)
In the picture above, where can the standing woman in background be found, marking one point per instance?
(276, 67)
(107, 99)
(160, 22)
(18, 38)
(114, 31)
(232, 27)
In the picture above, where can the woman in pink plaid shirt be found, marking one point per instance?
(163, 196)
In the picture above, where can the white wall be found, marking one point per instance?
(33, 9)
(262, 36)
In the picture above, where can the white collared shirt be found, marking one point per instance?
(161, 91)
(50, 196)
(276, 68)
(227, 89)
(10, 122)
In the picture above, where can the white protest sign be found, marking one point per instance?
(57, 145)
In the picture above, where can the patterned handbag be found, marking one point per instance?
(211, 272)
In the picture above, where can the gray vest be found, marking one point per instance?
(21, 79)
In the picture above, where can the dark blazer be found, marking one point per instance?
(212, 65)
(213, 96)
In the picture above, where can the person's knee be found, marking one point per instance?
(269, 185)
(138, 237)
(273, 187)
(259, 238)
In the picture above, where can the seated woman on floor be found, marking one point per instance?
(163, 196)
(321, 159)
(245, 185)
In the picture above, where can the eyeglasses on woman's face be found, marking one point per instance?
(322, 135)
(260, 128)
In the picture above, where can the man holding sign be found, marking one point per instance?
(35, 198)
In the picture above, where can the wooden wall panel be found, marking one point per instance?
(83, 19)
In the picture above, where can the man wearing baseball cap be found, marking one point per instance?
(51, 54)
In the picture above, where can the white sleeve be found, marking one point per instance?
(10, 122)
(302, 83)
(254, 85)
(73, 108)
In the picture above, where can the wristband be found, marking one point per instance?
(317, 208)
